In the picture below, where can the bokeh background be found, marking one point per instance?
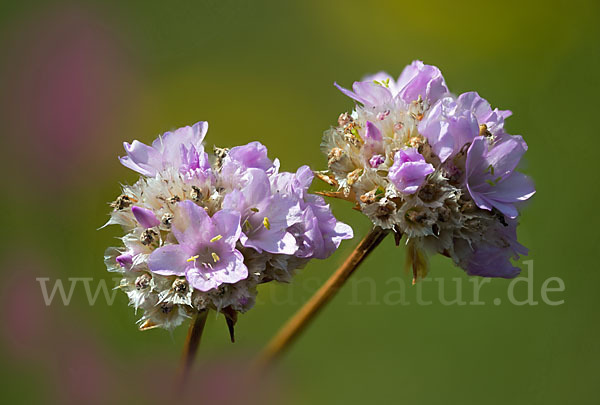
(78, 78)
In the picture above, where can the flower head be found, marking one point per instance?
(434, 167)
(202, 231)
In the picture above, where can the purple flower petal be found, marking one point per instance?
(370, 94)
(490, 176)
(125, 260)
(448, 127)
(169, 260)
(141, 158)
(376, 161)
(201, 281)
(372, 133)
(232, 270)
(252, 155)
(418, 79)
(169, 144)
(145, 217)
(165, 150)
(206, 251)
(494, 120)
(227, 223)
(409, 170)
(492, 261)
(266, 216)
(516, 187)
(327, 232)
(192, 226)
(383, 78)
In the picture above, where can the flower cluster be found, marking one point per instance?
(437, 168)
(202, 231)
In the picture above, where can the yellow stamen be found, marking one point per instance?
(193, 258)
(216, 238)
(266, 223)
(215, 257)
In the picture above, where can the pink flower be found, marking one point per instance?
(409, 170)
(206, 252)
(491, 177)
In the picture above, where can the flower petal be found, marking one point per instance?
(227, 224)
(192, 225)
(145, 217)
(141, 158)
(201, 281)
(169, 260)
(233, 269)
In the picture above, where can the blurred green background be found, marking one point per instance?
(78, 78)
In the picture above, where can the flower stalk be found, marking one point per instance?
(191, 345)
(292, 329)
